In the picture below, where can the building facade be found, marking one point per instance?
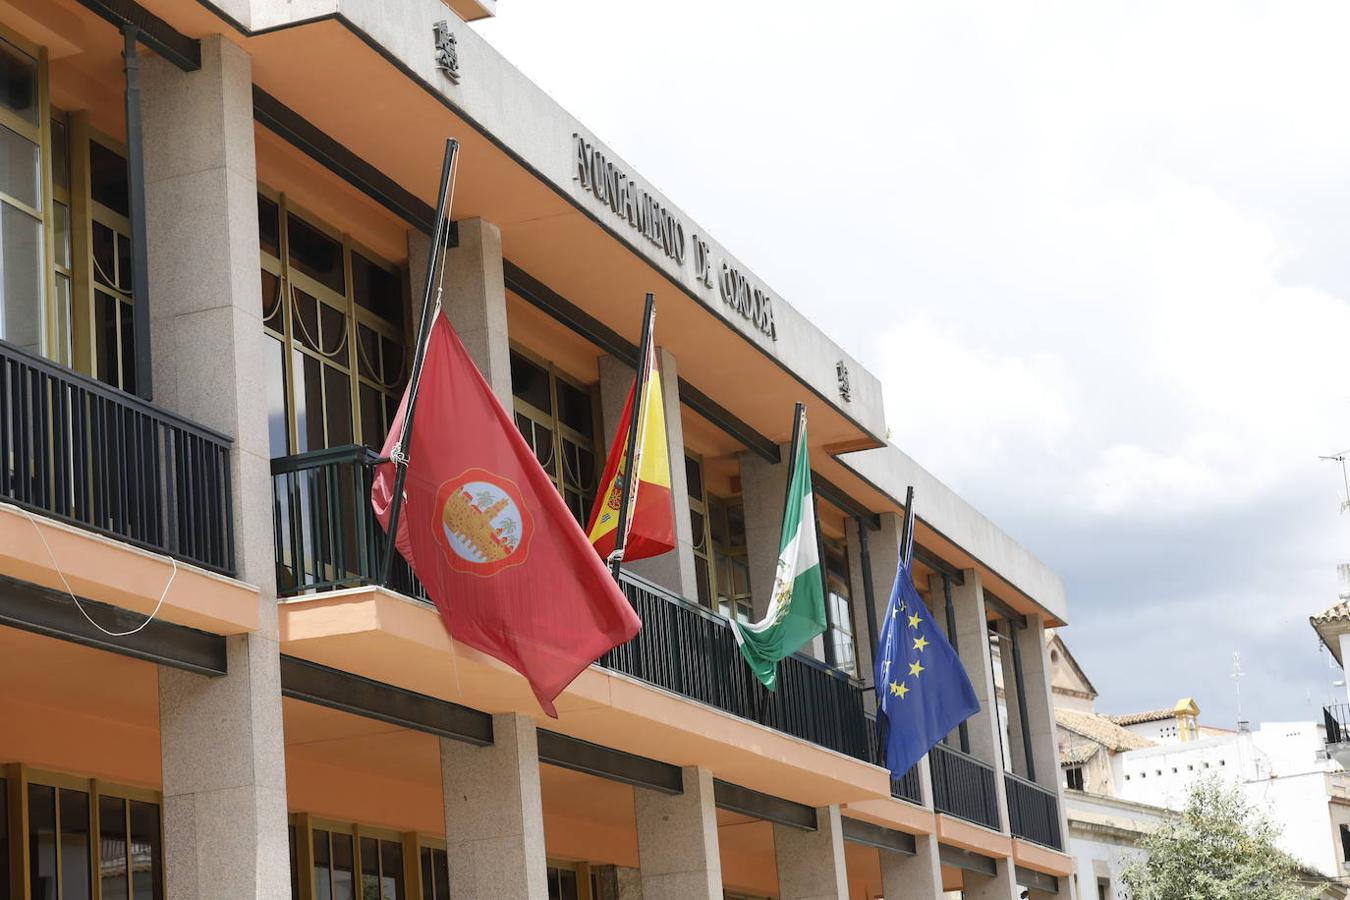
(214, 223)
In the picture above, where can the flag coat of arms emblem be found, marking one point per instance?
(489, 536)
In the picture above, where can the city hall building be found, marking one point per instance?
(214, 220)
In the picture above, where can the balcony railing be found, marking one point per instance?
(1336, 718)
(77, 450)
(964, 787)
(327, 538)
(1033, 811)
(908, 786)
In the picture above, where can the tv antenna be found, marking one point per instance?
(1237, 686)
(1345, 476)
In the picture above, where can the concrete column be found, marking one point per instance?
(1037, 675)
(494, 814)
(474, 297)
(811, 863)
(917, 877)
(762, 487)
(677, 841)
(1001, 886)
(675, 570)
(972, 636)
(221, 745)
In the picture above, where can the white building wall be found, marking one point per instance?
(1102, 836)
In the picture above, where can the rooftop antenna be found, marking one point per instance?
(1345, 476)
(1242, 723)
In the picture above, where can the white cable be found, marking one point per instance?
(150, 618)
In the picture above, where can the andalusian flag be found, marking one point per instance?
(651, 514)
(797, 607)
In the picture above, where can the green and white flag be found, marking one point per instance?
(796, 611)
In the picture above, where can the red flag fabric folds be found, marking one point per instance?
(487, 533)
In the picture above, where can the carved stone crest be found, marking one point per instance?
(447, 51)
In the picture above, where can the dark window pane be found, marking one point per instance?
(18, 82)
(377, 289)
(574, 408)
(60, 154)
(308, 402)
(717, 524)
(112, 842)
(441, 863)
(344, 884)
(333, 325)
(529, 382)
(393, 362)
(338, 404)
(271, 302)
(4, 841)
(295, 863)
(391, 864)
(105, 338)
(42, 841)
(693, 477)
(269, 226)
(315, 254)
(22, 275)
(105, 254)
(736, 524)
(305, 318)
(274, 359)
(428, 882)
(370, 869)
(74, 845)
(696, 526)
(124, 263)
(128, 329)
(701, 576)
(323, 866)
(108, 178)
(373, 431)
(20, 168)
(368, 354)
(146, 852)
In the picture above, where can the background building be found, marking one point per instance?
(212, 228)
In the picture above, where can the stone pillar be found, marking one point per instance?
(1001, 886)
(221, 745)
(762, 487)
(811, 863)
(675, 570)
(474, 297)
(917, 877)
(494, 814)
(677, 841)
(972, 637)
(1037, 677)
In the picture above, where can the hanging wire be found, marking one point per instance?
(80, 606)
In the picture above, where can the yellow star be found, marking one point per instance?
(920, 642)
(914, 621)
(915, 669)
(901, 691)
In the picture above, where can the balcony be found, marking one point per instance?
(964, 787)
(908, 786)
(326, 537)
(1033, 812)
(77, 450)
(1336, 719)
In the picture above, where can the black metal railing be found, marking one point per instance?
(324, 530)
(963, 786)
(1033, 811)
(1337, 720)
(908, 786)
(77, 450)
(327, 538)
(688, 649)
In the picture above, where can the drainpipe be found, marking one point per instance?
(140, 271)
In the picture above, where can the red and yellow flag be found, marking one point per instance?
(651, 517)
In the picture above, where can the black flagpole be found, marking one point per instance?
(907, 529)
(630, 475)
(400, 455)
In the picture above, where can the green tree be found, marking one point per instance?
(1219, 848)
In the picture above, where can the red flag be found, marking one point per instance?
(489, 536)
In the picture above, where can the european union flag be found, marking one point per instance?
(923, 691)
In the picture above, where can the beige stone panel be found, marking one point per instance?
(677, 840)
(811, 863)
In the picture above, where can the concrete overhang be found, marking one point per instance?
(395, 640)
(1041, 859)
(65, 558)
(953, 528)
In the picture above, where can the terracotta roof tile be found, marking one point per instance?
(1101, 729)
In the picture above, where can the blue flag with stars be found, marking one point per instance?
(923, 691)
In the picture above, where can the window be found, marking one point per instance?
(71, 819)
(114, 349)
(1073, 778)
(4, 841)
(698, 529)
(1103, 889)
(726, 528)
(562, 883)
(332, 861)
(333, 329)
(840, 606)
(23, 253)
(557, 418)
(1345, 843)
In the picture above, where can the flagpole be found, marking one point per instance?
(907, 529)
(399, 457)
(631, 475)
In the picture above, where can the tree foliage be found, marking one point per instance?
(1219, 848)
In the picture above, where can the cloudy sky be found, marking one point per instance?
(1097, 253)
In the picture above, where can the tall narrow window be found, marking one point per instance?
(1073, 778)
(23, 275)
(110, 265)
(698, 528)
(58, 843)
(726, 527)
(435, 873)
(63, 262)
(840, 634)
(557, 419)
(4, 840)
(562, 883)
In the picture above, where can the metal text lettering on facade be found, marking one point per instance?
(614, 188)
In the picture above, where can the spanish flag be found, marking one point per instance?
(651, 517)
